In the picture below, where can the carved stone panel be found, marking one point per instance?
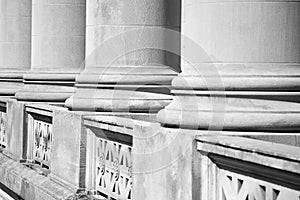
(113, 169)
(39, 141)
(234, 186)
(109, 166)
(3, 136)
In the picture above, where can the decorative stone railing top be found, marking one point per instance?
(122, 123)
(241, 169)
(109, 159)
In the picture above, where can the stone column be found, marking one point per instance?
(58, 38)
(15, 36)
(247, 73)
(121, 73)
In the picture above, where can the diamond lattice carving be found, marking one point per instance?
(113, 169)
(42, 133)
(234, 186)
(3, 137)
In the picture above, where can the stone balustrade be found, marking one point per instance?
(94, 58)
(171, 158)
(240, 168)
(39, 136)
(115, 155)
(3, 125)
(109, 157)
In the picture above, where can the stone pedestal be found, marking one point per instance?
(246, 76)
(122, 70)
(58, 30)
(15, 129)
(15, 36)
(165, 163)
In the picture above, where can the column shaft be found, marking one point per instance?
(122, 72)
(15, 37)
(58, 40)
(246, 76)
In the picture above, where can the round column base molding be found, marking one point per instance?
(240, 76)
(234, 113)
(123, 75)
(116, 100)
(51, 76)
(8, 88)
(123, 88)
(11, 81)
(43, 92)
(11, 75)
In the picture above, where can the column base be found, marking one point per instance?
(236, 110)
(117, 100)
(11, 81)
(10, 88)
(123, 88)
(44, 93)
(52, 86)
(237, 97)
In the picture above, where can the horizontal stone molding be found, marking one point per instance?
(117, 100)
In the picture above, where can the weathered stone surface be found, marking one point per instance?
(66, 159)
(128, 13)
(68, 148)
(106, 19)
(163, 163)
(16, 129)
(28, 184)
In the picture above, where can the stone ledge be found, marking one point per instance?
(28, 184)
(276, 164)
(279, 156)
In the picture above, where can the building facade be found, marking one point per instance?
(157, 99)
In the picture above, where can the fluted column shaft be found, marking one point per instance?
(58, 40)
(15, 37)
(121, 73)
(247, 74)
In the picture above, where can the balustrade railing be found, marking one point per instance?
(233, 186)
(3, 136)
(39, 132)
(113, 169)
(234, 168)
(109, 163)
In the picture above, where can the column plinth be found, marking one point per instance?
(123, 70)
(251, 81)
(58, 40)
(119, 89)
(15, 33)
